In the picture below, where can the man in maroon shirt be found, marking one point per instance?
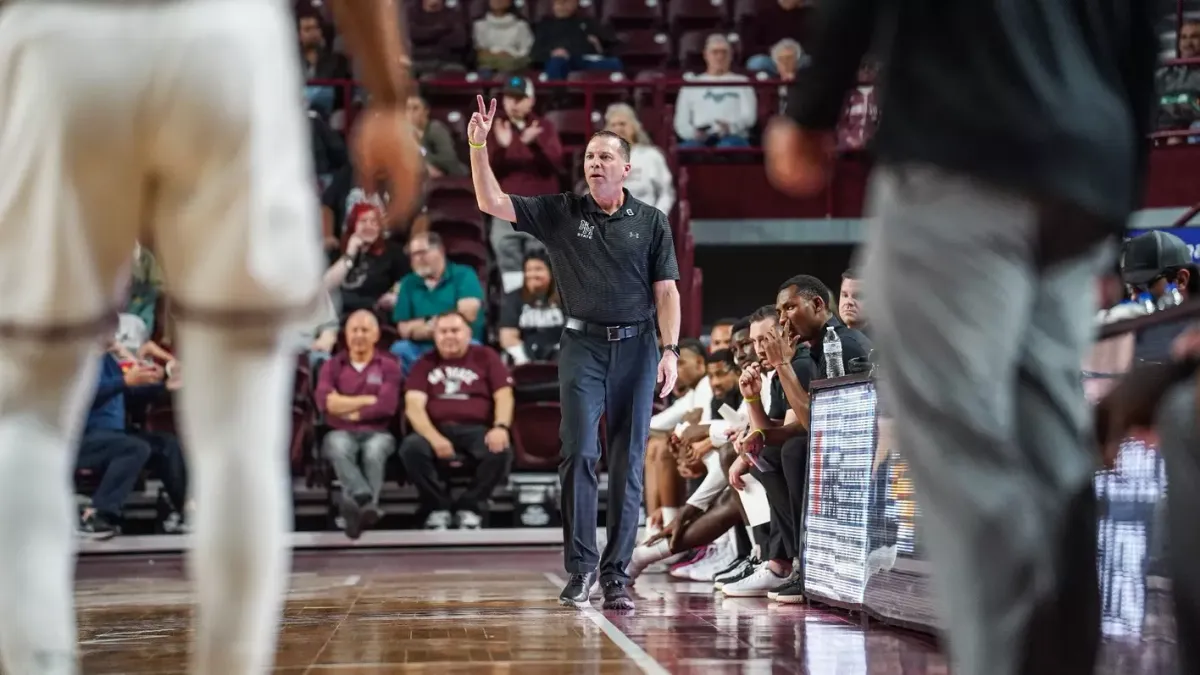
(459, 401)
(358, 392)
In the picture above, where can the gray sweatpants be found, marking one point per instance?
(981, 350)
(1179, 442)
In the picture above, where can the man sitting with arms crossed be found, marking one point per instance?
(359, 392)
(460, 405)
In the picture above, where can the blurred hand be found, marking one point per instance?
(754, 443)
(497, 440)
(667, 372)
(141, 375)
(435, 172)
(798, 160)
(656, 519)
(738, 469)
(665, 532)
(596, 43)
(560, 53)
(385, 146)
(354, 245)
(750, 381)
(722, 128)
(531, 133)
(481, 122)
(779, 347)
(1187, 345)
(442, 447)
(387, 300)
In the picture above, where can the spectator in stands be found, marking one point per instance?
(721, 115)
(434, 287)
(526, 155)
(649, 177)
(328, 148)
(438, 36)
(788, 58)
(503, 40)
(145, 287)
(319, 61)
(531, 318)
(338, 200)
(784, 20)
(317, 335)
(663, 493)
(849, 302)
(370, 264)
(568, 41)
(441, 157)
(118, 456)
(358, 393)
(1179, 85)
(459, 402)
(721, 335)
(860, 117)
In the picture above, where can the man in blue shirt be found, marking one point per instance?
(119, 457)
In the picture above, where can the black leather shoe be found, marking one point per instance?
(616, 595)
(577, 592)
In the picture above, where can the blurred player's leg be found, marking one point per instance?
(69, 205)
(983, 351)
(236, 419)
(237, 233)
(44, 393)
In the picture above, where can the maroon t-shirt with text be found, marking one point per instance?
(460, 390)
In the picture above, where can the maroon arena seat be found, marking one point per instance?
(642, 49)
(543, 8)
(535, 433)
(575, 126)
(709, 15)
(632, 14)
(535, 372)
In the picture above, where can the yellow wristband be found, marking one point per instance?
(759, 432)
(752, 399)
(481, 145)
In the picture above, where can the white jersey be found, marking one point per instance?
(177, 123)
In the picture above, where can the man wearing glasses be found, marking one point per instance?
(435, 286)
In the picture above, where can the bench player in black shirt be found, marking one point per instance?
(614, 263)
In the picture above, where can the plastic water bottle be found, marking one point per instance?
(1147, 302)
(833, 354)
(1170, 297)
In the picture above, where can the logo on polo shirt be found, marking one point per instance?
(629, 212)
(585, 230)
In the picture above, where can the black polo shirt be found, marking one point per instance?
(809, 362)
(605, 266)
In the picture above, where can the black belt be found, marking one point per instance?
(610, 333)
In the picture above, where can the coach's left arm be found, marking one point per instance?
(666, 300)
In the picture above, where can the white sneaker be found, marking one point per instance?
(721, 554)
(881, 559)
(438, 521)
(644, 556)
(756, 585)
(468, 520)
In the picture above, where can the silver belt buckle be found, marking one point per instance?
(614, 333)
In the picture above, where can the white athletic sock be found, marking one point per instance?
(669, 513)
(236, 418)
(44, 396)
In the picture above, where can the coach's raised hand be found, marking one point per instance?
(488, 195)
(481, 123)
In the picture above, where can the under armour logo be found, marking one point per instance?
(629, 212)
(585, 230)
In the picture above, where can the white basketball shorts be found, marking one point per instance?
(180, 123)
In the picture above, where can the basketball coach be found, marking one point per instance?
(614, 262)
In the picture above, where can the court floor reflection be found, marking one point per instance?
(495, 612)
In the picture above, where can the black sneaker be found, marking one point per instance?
(578, 591)
(351, 510)
(792, 593)
(616, 595)
(745, 568)
(732, 566)
(96, 526)
(774, 592)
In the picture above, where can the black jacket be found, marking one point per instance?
(1052, 98)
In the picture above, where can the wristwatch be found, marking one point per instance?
(671, 348)
(500, 425)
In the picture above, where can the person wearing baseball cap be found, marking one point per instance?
(1155, 260)
(526, 155)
